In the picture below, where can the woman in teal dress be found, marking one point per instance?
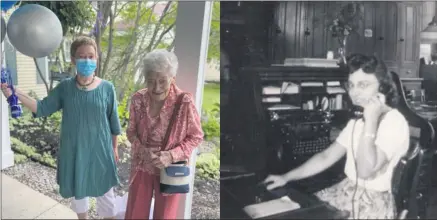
(90, 126)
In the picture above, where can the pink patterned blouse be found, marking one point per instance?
(145, 131)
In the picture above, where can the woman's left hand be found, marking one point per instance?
(116, 155)
(163, 160)
(375, 108)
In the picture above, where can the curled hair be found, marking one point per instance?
(160, 60)
(373, 65)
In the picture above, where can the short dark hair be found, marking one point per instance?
(82, 41)
(373, 65)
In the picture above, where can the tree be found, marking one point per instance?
(144, 30)
(73, 15)
(214, 35)
(104, 11)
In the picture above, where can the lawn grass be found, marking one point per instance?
(211, 95)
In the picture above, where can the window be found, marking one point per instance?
(43, 65)
(11, 59)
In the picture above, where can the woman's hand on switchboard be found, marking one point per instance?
(274, 181)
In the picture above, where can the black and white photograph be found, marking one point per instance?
(328, 109)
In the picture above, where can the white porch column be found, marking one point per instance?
(7, 154)
(191, 46)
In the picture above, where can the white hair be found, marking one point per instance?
(160, 61)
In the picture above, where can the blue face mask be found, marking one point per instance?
(86, 67)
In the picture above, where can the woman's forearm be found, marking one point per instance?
(311, 167)
(26, 100)
(114, 141)
(185, 148)
(367, 150)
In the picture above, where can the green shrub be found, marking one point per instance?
(211, 124)
(22, 148)
(123, 111)
(42, 133)
(208, 165)
(19, 158)
(31, 153)
(122, 138)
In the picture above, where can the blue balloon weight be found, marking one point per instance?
(6, 5)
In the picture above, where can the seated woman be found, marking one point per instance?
(373, 146)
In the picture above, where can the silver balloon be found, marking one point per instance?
(34, 30)
(3, 30)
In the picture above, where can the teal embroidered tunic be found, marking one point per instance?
(86, 164)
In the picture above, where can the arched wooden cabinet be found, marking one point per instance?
(392, 31)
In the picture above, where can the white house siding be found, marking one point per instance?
(27, 76)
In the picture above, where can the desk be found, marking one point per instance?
(236, 194)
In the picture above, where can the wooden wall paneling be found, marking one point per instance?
(319, 31)
(290, 30)
(357, 42)
(309, 29)
(300, 27)
(331, 42)
(280, 19)
(368, 43)
(285, 45)
(409, 37)
(390, 23)
(379, 28)
(354, 41)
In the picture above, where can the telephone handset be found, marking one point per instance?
(356, 112)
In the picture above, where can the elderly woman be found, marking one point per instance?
(150, 112)
(373, 146)
(90, 125)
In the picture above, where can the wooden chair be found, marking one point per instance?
(412, 176)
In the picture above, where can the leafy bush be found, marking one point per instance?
(211, 122)
(208, 165)
(123, 111)
(42, 133)
(122, 138)
(19, 158)
(24, 150)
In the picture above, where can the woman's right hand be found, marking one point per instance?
(153, 152)
(6, 90)
(274, 181)
(143, 152)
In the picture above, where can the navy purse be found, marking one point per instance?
(175, 179)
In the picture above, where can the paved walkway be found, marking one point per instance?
(21, 202)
